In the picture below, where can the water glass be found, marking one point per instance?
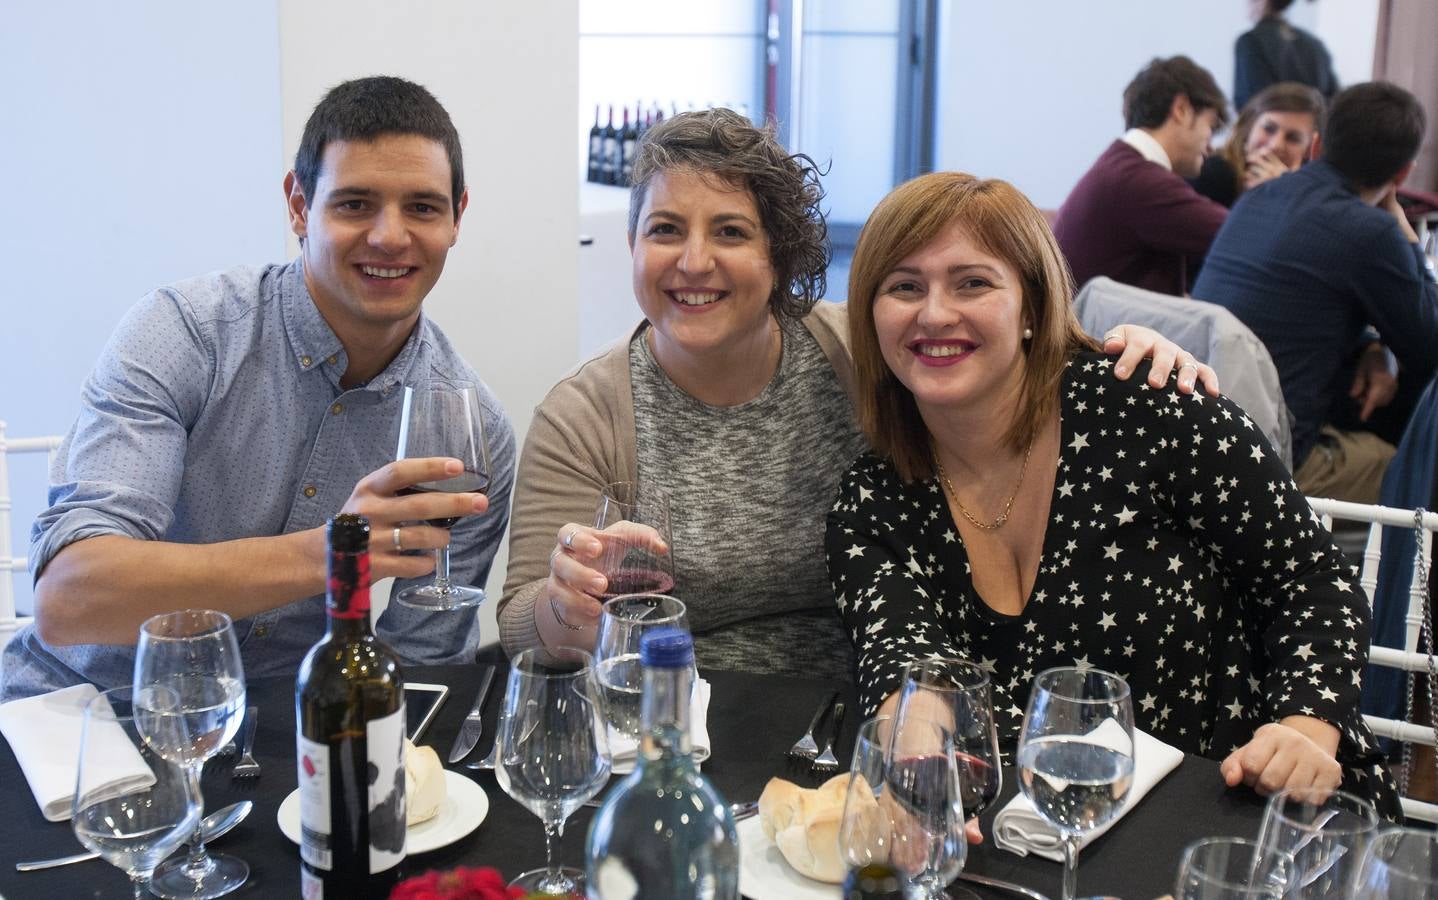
(1401, 864)
(966, 707)
(1075, 755)
(441, 418)
(1326, 832)
(638, 554)
(132, 806)
(1231, 868)
(188, 669)
(554, 752)
(920, 806)
(861, 839)
(620, 677)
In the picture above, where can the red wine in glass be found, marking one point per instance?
(638, 581)
(980, 782)
(463, 483)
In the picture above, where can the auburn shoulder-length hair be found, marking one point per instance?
(1003, 222)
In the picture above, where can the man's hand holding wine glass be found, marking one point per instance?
(393, 514)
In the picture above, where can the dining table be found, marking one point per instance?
(752, 721)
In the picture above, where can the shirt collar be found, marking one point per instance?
(316, 346)
(1147, 146)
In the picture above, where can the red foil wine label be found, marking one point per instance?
(349, 577)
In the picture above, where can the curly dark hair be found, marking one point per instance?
(785, 187)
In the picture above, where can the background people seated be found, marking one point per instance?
(232, 414)
(1274, 51)
(1023, 510)
(1308, 261)
(1273, 136)
(1132, 216)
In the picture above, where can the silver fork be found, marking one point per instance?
(247, 767)
(806, 748)
(827, 763)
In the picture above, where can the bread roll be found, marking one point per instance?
(804, 824)
(423, 783)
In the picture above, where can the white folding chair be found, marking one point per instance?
(11, 566)
(1409, 658)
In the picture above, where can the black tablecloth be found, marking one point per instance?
(752, 721)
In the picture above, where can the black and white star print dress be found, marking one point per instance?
(1178, 554)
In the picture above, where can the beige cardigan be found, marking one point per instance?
(581, 439)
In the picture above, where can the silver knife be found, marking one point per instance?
(473, 726)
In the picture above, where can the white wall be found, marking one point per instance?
(1032, 91)
(147, 141)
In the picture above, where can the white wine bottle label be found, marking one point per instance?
(314, 777)
(385, 742)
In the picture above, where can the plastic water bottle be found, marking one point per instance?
(664, 833)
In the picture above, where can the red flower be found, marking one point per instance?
(457, 884)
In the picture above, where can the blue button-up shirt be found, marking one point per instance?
(216, 413)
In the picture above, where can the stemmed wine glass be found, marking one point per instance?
(638, 555)
(1075, 755)
(1231, 868)
(920, 806)
(1401, 864)
(554, 752)
(132, 819)
(623, 622)
(966, 708)
(1326, 832)
(444, 419)
(188, 671)
(863, 833)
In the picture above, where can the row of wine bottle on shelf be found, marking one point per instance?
(612, 146)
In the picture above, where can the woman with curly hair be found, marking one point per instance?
(733, 396)
(1275, 134)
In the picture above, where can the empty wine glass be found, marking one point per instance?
(132, 806)
(444, 419)
(862, 840)
(554, 753)
(967, 709)
(1075, 756)
(1401, 864)
(1326, 832)
(192, 655)
(638, 554)
(1231, 868)
(920, 804)
(620, 677)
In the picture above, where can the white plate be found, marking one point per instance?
(465, 806)
(765, 875)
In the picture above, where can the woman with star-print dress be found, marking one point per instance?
(1025, 510)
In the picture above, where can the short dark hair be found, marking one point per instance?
(786, 190)
(1374, 130)
(368, 108)
(1149, 97)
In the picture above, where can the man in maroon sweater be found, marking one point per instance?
(1132, 216)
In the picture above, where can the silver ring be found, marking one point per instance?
(1189, 365)
(568, 541)
(554, 608)
(394, 537)
(1111, 336)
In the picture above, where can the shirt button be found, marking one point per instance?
(332, 360)
(310, 490)
(337, 408)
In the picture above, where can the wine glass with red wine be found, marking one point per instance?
(956, 693)
(444, 419)
(633, 525)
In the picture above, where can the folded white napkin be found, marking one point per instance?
(44, 733)
(624, 750)
(1019, 828)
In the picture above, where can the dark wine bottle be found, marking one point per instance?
(609, 165)
(628, 144)
(596, 146)
(349, 711)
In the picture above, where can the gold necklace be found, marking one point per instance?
(1008, 505)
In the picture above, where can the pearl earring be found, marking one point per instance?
(1028, 334)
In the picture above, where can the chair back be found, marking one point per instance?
(11, 565)
(1212, 334)
(1405, 525)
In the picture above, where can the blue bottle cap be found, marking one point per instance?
(667, 648)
